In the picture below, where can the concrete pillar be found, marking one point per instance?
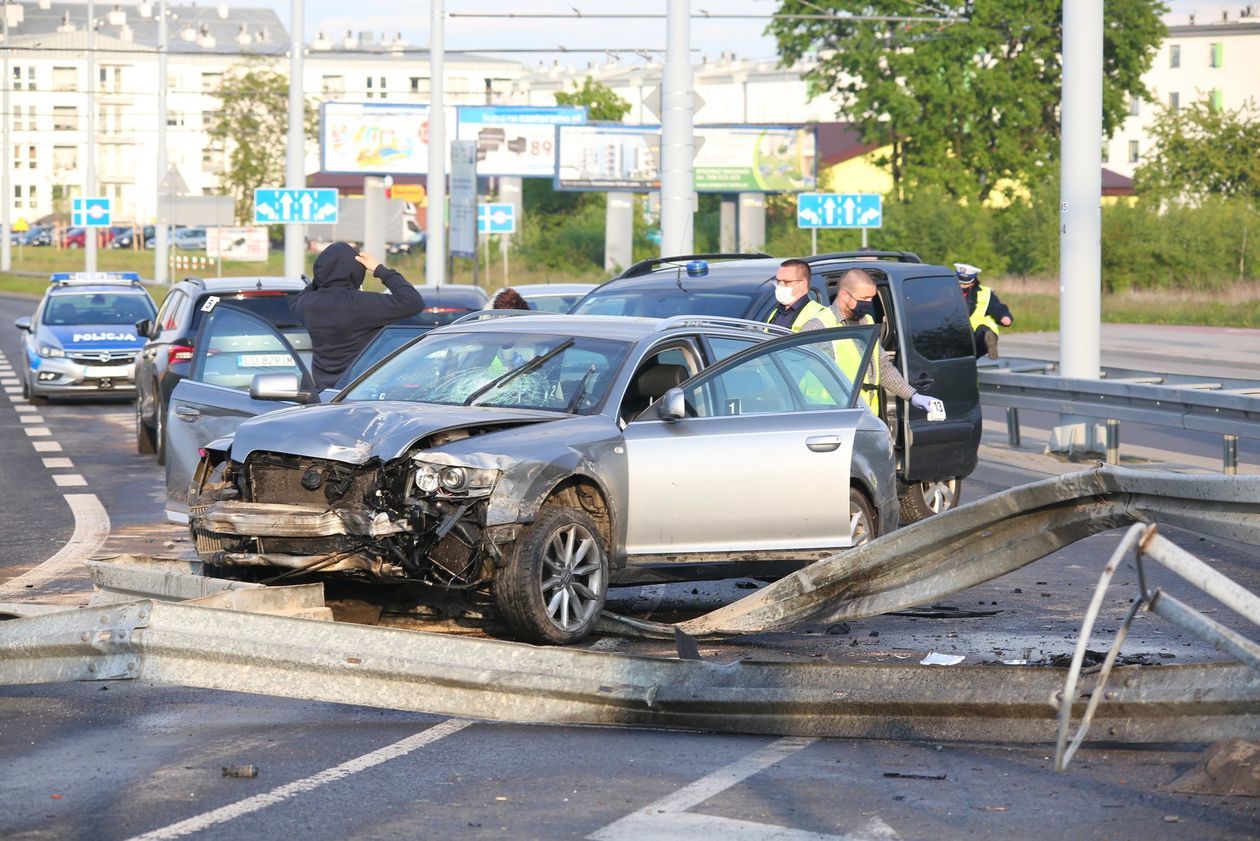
(295, 147)
(728, 231)
(374, 216)
(752, 221)
(619, 232)
(677, 135)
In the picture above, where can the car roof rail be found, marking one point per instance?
(674, 321)
(485, 315)
(645, 266)
(899, 256)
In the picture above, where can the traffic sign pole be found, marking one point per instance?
(295, 151)
(813, 238)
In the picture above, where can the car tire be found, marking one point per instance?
(32, 396)
(863, 524)
(553, 588)
(159, 433)
(920, 500)
(145, 443)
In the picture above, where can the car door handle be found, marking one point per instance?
(922, 382)
(823, 443)
(187, 413)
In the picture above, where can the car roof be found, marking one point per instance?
(473, 296)
(727, 274)
(244, 284)
(618, 327)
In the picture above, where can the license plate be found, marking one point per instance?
(98, 371)
(264, 360)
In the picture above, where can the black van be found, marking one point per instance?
(924, 326)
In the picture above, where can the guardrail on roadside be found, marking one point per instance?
(1229, 407)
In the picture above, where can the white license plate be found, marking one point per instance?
(100, 371)
(264, 360)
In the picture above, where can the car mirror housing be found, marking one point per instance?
(23, 323)
(673, 405)
(278, 387)
(144, 327)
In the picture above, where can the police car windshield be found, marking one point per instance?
(664, 303)
(97, 308)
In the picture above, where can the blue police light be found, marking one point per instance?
(698, 268)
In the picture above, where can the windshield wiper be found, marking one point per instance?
(581, 391)
(531, 365)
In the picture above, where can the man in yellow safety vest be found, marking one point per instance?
(791, 291)
(987, 312)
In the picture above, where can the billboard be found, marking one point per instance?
(728, 159)
(375, 138)
(516, 139)
(463, 241)
(244, 244)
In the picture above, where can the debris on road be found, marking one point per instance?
(240, 771)
(895, 775)
(935, 658)
(1229, 767)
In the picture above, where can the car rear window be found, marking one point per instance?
(663, 303)
(437, 316)
(937, 316)
(271, 305)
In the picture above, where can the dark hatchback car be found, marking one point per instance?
(165, 357)
(924, 326)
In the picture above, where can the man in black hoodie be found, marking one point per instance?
(340, 317)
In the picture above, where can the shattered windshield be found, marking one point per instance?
(514, 370)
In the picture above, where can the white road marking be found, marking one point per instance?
(21, 408)
(58, 462)
(9, 380)
(284, 792)
(31, 418)
(91, 527)
(13, 389)
(668, 818)
(69, 480)
(46, 446)
(37, 431)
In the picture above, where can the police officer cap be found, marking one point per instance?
(966, 272)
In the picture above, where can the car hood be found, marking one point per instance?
(85, 337)
(357, 432)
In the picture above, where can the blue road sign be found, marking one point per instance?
(274, 206)
(90, 212)
(496, 219)
(839, 210)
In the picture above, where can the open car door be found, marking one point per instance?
(233, 348)
(759, 462)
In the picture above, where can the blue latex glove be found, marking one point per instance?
(921, 401)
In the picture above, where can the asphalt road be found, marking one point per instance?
(117, 760)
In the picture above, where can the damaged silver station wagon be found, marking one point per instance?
(535, 459)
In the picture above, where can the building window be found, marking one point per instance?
(1133, 151)
(334, 84)
(65, 78)
(1174, 55)
(17, 195)
(65, 157)
(18, 125)
(31, 161)
(65, 118)
(30, 78)
(31, 196)
(1133, 106)
(1218, 55)
(1174, 101)
(1217, 100)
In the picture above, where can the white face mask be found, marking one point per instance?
(783, 294)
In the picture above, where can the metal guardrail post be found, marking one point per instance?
(1113, 441)
(1012, 426)
(1231, 455)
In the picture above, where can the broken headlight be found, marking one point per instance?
(430, 478)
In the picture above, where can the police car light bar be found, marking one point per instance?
(70, 278)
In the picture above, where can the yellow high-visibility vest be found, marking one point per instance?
(980, 314)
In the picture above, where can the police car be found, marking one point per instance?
(83, 337)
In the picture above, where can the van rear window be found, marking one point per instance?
(937, 316)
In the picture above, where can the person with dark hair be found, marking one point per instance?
(986, 310)
(791, 291)
(340, 317)
(508, 299)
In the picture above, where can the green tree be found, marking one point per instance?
(1203, 151)
(968, 105)
(602, 103)
(252, 126)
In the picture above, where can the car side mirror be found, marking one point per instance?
(144, 327)
(278, 387)
(673, 405)
(23, 323)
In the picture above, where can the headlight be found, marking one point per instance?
(433, 478)
(48, 351)
(427, 478)
(454, 478)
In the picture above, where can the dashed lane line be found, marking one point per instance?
(46, 446)
(278, 795)
(69, 480)
(31, 418)
(55, 462)
(91, 527)
(37, 431)
(668, 818)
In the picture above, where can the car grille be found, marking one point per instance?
(271, 477)
(102, 357)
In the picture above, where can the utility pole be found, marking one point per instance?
(161, 271)
(435, 249)
(89, 174)
(1080, 229)
(295, 157)
(677, 152)
(6, 190)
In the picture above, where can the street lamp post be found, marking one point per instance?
(295, 178)
(6, 191)
(435, 249)
(161, 271)
(677, 143)
(89, 171)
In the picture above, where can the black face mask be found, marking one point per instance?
(863, 309)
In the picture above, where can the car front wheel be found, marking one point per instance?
(920, 500)
(553, 589)
(863, 526)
